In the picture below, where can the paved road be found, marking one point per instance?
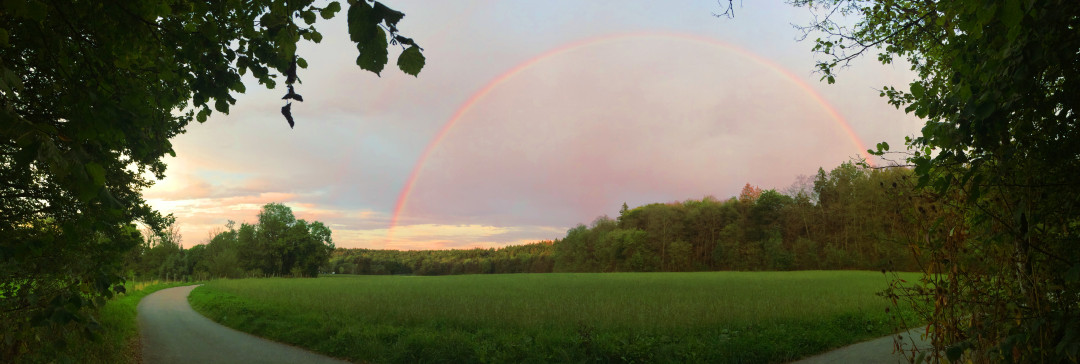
(874, 351)
(174, 333)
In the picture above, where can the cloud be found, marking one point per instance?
(565, 141)
(443, 236)
(560, 144)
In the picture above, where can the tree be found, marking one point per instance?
(252, 252)
(275, 220)
(163, 255)
(622, 212)
(765, 215)
(90, 94)
(317, 249)
(679, 254)
(749, 194)
(998, 84)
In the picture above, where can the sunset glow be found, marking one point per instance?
(527, 120)
(403, 197)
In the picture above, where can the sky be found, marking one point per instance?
(528, 119)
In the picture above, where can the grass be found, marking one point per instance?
(118, 339)
(732, 317)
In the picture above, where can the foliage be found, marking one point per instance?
(90, 94)
(528, 258)
(115, 340)
(119, 336)
(762, 230)
(862, 219)
(278, 245)
(726, 317)
(998, 84)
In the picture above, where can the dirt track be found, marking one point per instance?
(174, 333)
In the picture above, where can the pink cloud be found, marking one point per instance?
(561, 144)
(569, 139)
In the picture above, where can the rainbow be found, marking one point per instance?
(403, 197)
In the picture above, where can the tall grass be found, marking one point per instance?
(623, 317)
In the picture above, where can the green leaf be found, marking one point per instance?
(942, 184)
(86, 191)
(917, 89)
(1073, 274)
(27, 154)
(976, 188)
(361, 28)
(96, 172)
(9, 80)
(411, 61)
(954, 352)
(373, 55)
(203, 114)
(922, 167)
(36, 10)
(3, 37)
(404, 40)
(391, 16)
(271, 21)
(985, 15)
(984, 109)
(329, 11)
(309, 17)
(1012, 14)
(163, 8)
(221, 106)
(301, 62)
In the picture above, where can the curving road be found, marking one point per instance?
(174, 333)
(874, 351)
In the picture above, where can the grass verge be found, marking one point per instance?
(715, 317)
(118, 340)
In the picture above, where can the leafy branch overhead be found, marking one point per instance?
(88, 107)
(369, 26)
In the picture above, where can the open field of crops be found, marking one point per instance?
(616, 317)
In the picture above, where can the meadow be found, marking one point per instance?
(716, 317)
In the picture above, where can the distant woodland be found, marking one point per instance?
(278, 244)
(851, 217)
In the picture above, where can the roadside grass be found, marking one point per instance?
(118, 339)
(715, 317)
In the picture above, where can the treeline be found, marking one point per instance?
(278, 245)
(528, 258)
(851, 217)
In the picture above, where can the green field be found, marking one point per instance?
(734, 317)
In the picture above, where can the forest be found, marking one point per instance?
(852, 217)
(279, 244)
